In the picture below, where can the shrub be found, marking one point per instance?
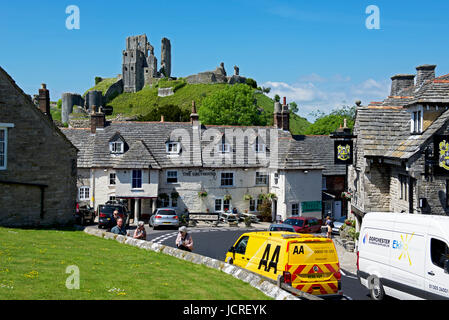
(98, 80)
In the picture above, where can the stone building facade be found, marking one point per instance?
(153, 164)
(38, 164)
(396, 165)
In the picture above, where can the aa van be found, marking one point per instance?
(307, 262)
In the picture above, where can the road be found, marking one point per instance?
(215, 242)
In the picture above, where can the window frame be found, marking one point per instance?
(4, 154)
(113, 147)
(82, 193)
(295, 209)
(134, 179)
(112, 180)
(167, 177)
(222, 179)
(169, 145)
(262, 175)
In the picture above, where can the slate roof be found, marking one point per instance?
(383, 128)
(147, 147)
(321, 147)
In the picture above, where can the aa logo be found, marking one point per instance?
(298, 250)
(274, 259)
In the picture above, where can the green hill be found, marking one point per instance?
(144, 102)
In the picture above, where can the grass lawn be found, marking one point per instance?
(33, 266)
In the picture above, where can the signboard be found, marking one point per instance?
(441, 152)
(310, 206)
(343, 152)
(204, 216)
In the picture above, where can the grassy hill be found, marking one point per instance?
(146, 100)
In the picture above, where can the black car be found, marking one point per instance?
(84, 213)
(105, 214)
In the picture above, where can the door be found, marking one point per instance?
(240, 258)
(437, 281)
(337, 210)
(411, 191)
(275, 210)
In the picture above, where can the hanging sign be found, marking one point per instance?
(441, 146)
(343, 152)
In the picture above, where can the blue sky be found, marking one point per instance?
(317, 53)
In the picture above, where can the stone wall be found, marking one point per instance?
(38, 153)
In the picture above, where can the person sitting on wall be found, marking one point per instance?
(113, 221)
(184, 240)
(140, 232)
(119, 228)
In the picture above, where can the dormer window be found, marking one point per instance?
(259, 146)
(116, 147)
(173, 147)
(416, 121)
(224, 147)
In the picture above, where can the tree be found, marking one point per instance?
(266, 90)
(251, 82)
(234, 105)
(327, 123)
(98, 80)
(277, 98)
(294, 107)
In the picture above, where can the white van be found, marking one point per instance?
(404, 255)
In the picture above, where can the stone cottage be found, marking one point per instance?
(401, 159)
(194, 167)
(38, 164)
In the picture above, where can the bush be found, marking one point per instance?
(251, 82)
(98, 80)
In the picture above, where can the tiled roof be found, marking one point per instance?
(147, 147)
(321, 147)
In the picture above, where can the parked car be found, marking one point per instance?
(304, 224)
(229, 217)
(164, 217)
(281, 227)
(337, 224)
(84, 213)
(105, 214)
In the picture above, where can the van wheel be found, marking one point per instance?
(229, 260)
(377, 291)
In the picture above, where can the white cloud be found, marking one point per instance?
(314, 92)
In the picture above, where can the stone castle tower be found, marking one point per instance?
(139, 67)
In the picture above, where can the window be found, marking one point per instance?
(227, 179)
(112, 177)
(259, 147)
(137, 179)
(165, 202)
(439, 252)
(112, 198)
(218, 205)
(240, 247)
(224, 147)
(84, 193)
(222, 205)
(3, 149)
(172, 176)
(323, 183)
(276, 178)
(403, 187)
(116, 147)
(173, 147)
(295, 209)
(416, 122)
(261, 178)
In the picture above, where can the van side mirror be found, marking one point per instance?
(446, 266)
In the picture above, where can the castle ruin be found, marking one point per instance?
(139, 68)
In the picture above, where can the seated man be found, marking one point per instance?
(119, 228)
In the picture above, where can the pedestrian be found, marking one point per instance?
(113, 221)
(184, 240)
(329, 224)
(140, 232)
(119, 228)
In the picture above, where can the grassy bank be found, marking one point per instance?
(33, 266)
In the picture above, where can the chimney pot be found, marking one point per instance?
(162, 118)
(44, 100)
(285, 101)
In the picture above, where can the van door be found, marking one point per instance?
(437, 280)
(240, 250)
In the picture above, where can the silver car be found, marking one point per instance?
(337, 224)
(281, 227)
(164, 217)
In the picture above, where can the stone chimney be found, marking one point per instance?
(97, 120)
(400, 82)
(44, 100)
(194, 117)
(424, 73)
(285, 116)
(277, 115)
(162, 118)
